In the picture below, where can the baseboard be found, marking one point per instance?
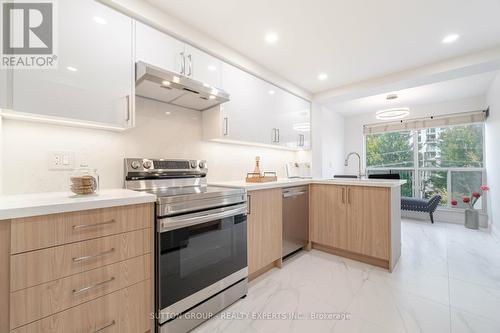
(446, 216)
(354, 256)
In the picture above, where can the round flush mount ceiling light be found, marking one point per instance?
(391, 114)
(450, 39)
(271, 37)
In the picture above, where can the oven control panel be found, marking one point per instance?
(134, 165)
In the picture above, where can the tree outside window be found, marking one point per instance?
(450, 160)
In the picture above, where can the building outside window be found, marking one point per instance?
(448, 161)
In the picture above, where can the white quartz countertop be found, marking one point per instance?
(25, 205)
(285, 182)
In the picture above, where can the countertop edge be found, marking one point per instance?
(302, 182)
(65, 207)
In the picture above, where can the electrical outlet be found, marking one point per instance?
(61, 160)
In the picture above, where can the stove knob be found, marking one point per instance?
(135, 165)
(147, 164)
(194, 164)
(202, 165)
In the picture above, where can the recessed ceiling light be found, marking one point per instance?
(322, 76)
(168, 113)
(212, 68)
(99, 20)
(390, 114)
(211, 97)
(165, 83)
(271, 92)
(271, 38)
(72, 69)
(450, 38)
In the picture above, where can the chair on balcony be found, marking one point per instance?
(413, 204)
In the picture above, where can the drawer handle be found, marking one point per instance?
(85, 226)
(93, 286)
(104, 327)
(100, 254)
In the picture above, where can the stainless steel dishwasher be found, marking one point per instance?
(295, 218)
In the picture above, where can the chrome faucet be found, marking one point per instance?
(346, 163)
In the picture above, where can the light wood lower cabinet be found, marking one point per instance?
(35, 267)
(328, 215)
(353, 221)
(39, 232)
(264, 229)
(368, 219)
(43, 300)
(124, 311)
(84, 271)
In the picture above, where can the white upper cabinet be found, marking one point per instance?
(203, 67)
(258, 112)
(292, 119)
(246, 115)
(159, 49)
(94, 80)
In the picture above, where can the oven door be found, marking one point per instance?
(199, 255)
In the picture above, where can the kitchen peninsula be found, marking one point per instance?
(355, 218)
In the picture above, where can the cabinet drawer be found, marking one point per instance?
(40, 232)
(28, 305)
(125, 311)
(32, 268)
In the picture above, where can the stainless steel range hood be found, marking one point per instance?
(165, 86)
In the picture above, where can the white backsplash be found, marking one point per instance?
(162, 131)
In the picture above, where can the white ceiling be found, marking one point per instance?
(470, 86)
(350, 40)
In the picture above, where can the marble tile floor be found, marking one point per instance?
(447, 280)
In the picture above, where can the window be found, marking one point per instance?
(432, 183)
(389, 150)
(408, 175)
(451, 147)
(448, 161)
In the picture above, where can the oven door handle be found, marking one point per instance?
(182, 221)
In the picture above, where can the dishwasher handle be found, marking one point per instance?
(293, 194)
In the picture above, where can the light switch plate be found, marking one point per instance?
(61, 160)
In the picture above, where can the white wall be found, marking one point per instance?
(328, 142)
(354, 124)
(157, 135)
(492, 153)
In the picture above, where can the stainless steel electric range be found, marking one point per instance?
(201, 241)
